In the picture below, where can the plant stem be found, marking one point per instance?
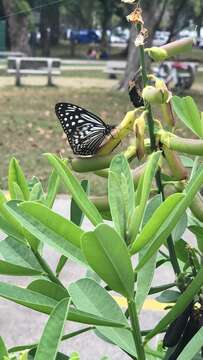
(65, 337)
(150, 121)
(136, 330)
(47, 269)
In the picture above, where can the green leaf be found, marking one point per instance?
(3, 349)
(143, 191)
(144, 280)
(54, 221)
(49, 289)
(187, 161)
(75, 356)
(53, 331)
(155, 224)
(61, 263)
(88, 295)
(17, 191)
(198, 232)
(53, 185)
(121, 193)
(37, 193)
(181, 250)
(180, 228)
(108, 256)
(45, 304)
(173, 218)
(49, 227)
(193, 347)
(10, 230)
(7, 268)
(17, 176)
(187, 111)
(168, 296)
(76, 214)
(18, 254)
(8, 217)
(59, 355)
(146, 274)
(76, 190)
(181, 304)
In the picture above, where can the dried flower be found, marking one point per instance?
(135, 17)
(141, 37)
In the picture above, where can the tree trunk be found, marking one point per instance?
(45, 31)
(132, 61)
(178, 7)
(17, 28)
(54, 23)
(133, 52)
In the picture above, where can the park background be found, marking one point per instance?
(29, 127)
(70, 30)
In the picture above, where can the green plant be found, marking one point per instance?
(149, 209)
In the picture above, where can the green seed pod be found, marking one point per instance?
(175, 330)
(190, 330)
(157, 53)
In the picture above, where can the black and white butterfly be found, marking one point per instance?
(85, 131)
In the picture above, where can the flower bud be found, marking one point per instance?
(171, 49)
(157, 53)
(154, 95)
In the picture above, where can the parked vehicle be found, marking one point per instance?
(200, 43)
(84, 36)
(120, 35)
(160, 38)
(187, 33)
(178, 75)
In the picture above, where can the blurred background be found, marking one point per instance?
(84, 50)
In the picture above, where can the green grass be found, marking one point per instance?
(98, 74)
(30, 128)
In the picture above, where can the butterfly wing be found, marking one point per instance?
(85, 131)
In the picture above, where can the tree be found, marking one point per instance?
(178, 9)
(18, 24)
(80, 14)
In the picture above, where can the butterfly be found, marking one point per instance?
(85, 131)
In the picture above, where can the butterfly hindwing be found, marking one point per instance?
(85, 131)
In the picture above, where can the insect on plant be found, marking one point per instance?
(85, 131)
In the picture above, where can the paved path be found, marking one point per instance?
(20, 325)
(71, 82)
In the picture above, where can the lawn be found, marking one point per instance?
(30, 128)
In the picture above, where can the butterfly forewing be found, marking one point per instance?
(85, 131)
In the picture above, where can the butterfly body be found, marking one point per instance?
(85, 131)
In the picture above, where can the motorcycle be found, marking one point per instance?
(178, 75)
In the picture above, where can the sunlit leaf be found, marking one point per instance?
(73, 186)
(88, 295)
(187, 111)
(53, 331)
(108, 256)
(16, 176)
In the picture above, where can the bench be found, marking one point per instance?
(33, 66)
(6, 54)
(113, 68)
